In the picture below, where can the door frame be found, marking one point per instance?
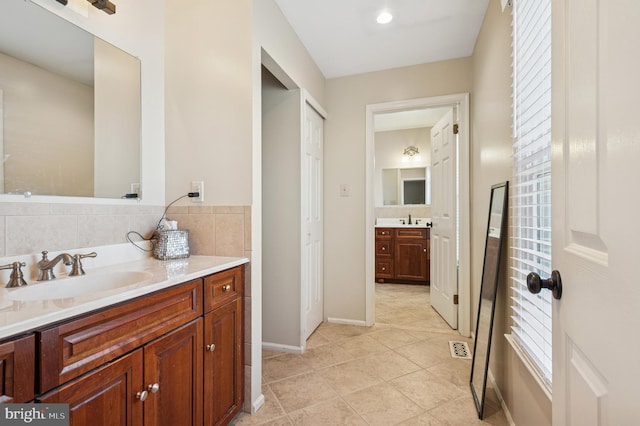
(461, 100)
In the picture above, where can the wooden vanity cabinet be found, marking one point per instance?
(174, 357)
(17, 370)
(223, 338)
(402, 255)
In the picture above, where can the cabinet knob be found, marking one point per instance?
(154, 388)
(384, 269)
(384, 248)
(424, 250)
(226, 287)
(142, 395)
(211, 347)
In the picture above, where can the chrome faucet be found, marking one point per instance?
(46, 266)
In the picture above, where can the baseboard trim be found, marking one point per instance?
(282, 348)
(346, 322)
(257, 404)
(503, 404)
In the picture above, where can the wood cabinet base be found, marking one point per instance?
(402, 255)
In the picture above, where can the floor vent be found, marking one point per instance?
(459, 350)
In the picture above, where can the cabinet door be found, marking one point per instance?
(223, 374)
(172, 376)
(17, 370)
(411, 260)
(106, 396)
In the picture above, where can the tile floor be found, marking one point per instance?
(398, 372)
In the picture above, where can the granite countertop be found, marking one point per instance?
(19, 316)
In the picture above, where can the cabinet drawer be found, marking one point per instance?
(384, 233)
(222, 287)
(17, 367)
(75, 347)
(384, 269)
(417, 233)
(384, 248)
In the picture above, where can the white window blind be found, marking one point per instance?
(530, 249)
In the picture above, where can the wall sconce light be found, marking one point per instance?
(105, 5)
(411, 151)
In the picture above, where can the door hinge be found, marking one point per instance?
(456, 129)
(455, 299)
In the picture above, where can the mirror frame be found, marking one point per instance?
(488, 292)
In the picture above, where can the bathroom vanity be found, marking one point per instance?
(166, 350)
(402, 253)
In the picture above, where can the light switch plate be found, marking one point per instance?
(344, 190)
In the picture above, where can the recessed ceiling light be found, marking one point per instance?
(384, 17)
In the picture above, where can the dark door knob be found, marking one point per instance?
(535, 283)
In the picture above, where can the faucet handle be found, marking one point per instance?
(16, 279)
(77, 268)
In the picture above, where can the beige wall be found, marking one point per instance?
(491, 163)
(208, 117)
(345, 230)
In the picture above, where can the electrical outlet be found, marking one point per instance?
(197, 186)
(135, 189)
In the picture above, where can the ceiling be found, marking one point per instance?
(344, 38)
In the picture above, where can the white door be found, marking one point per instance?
(596, 231)
(312, 261)
(444, 262)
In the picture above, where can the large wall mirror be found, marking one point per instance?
(70, 108)
(406, 186)
(496, 232)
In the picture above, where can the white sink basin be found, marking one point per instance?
(63, 288)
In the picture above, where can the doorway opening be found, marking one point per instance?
(461, 103)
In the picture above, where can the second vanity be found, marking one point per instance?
(165, 348)
(402, 250)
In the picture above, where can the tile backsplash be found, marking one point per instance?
(215, 230)
(27, 228)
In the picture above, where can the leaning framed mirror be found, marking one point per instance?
(496, 232)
